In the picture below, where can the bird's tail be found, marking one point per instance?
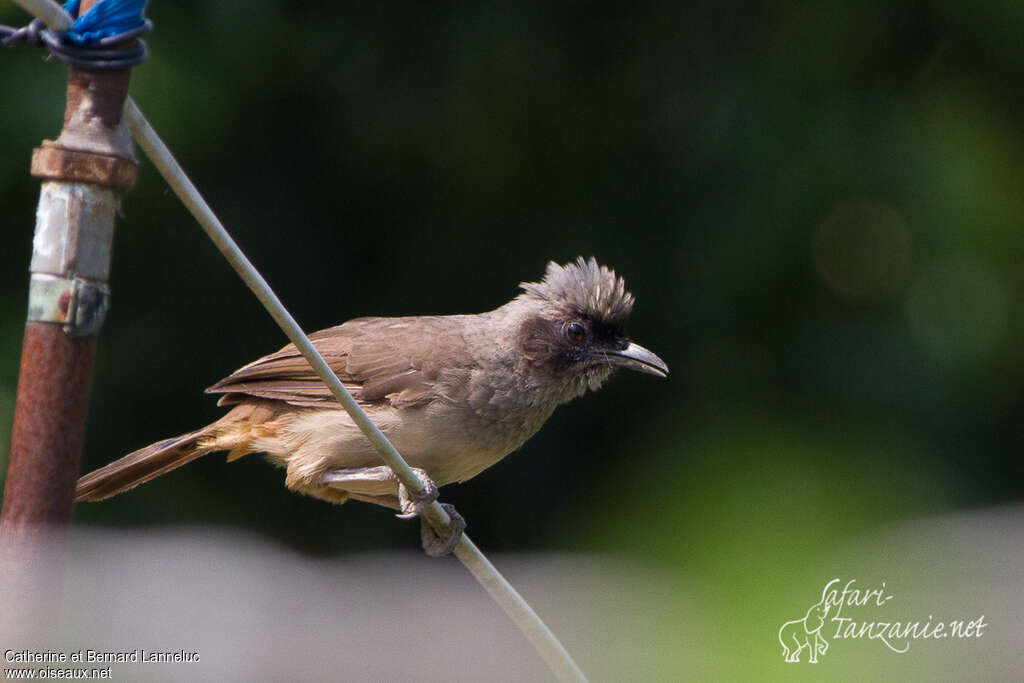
(228, 433)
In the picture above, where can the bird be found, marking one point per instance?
(455, 394)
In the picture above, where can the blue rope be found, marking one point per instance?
(92, 41)
(105, 19)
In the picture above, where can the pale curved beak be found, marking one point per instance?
(636, 357)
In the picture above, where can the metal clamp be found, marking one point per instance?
(79, 305)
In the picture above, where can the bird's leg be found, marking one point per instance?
(381, 481)
(367, 481)
(373, 484)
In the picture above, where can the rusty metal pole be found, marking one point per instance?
(84, 173)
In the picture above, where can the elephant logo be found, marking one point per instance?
(798, 634)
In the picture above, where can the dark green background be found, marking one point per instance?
(817, 208)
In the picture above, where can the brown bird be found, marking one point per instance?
(454, 394)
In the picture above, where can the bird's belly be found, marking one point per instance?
(449, 444)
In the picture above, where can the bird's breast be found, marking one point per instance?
(456, 442)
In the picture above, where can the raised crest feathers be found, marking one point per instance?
(590, 289)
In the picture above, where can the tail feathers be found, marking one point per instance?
(143, 465)
(234, 432)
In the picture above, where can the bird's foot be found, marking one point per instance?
(435, 545)
(364, 484)
(413, 504)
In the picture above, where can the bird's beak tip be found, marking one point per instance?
(636, 357)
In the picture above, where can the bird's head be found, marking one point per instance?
(573, 324)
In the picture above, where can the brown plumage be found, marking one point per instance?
(454, 393)
(161, 457)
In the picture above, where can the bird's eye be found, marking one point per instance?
(575, 332)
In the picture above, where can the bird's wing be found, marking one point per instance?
(391, 360)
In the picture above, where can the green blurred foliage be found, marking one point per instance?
(818, 209)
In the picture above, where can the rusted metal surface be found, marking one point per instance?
(83, 171)
(49, 429)
(95, 94)
(53, 163)
(95, 104)
(73, 238)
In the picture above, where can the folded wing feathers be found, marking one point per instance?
(372, 372)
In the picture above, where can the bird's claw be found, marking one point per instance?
(433, 544)
(411, 504)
